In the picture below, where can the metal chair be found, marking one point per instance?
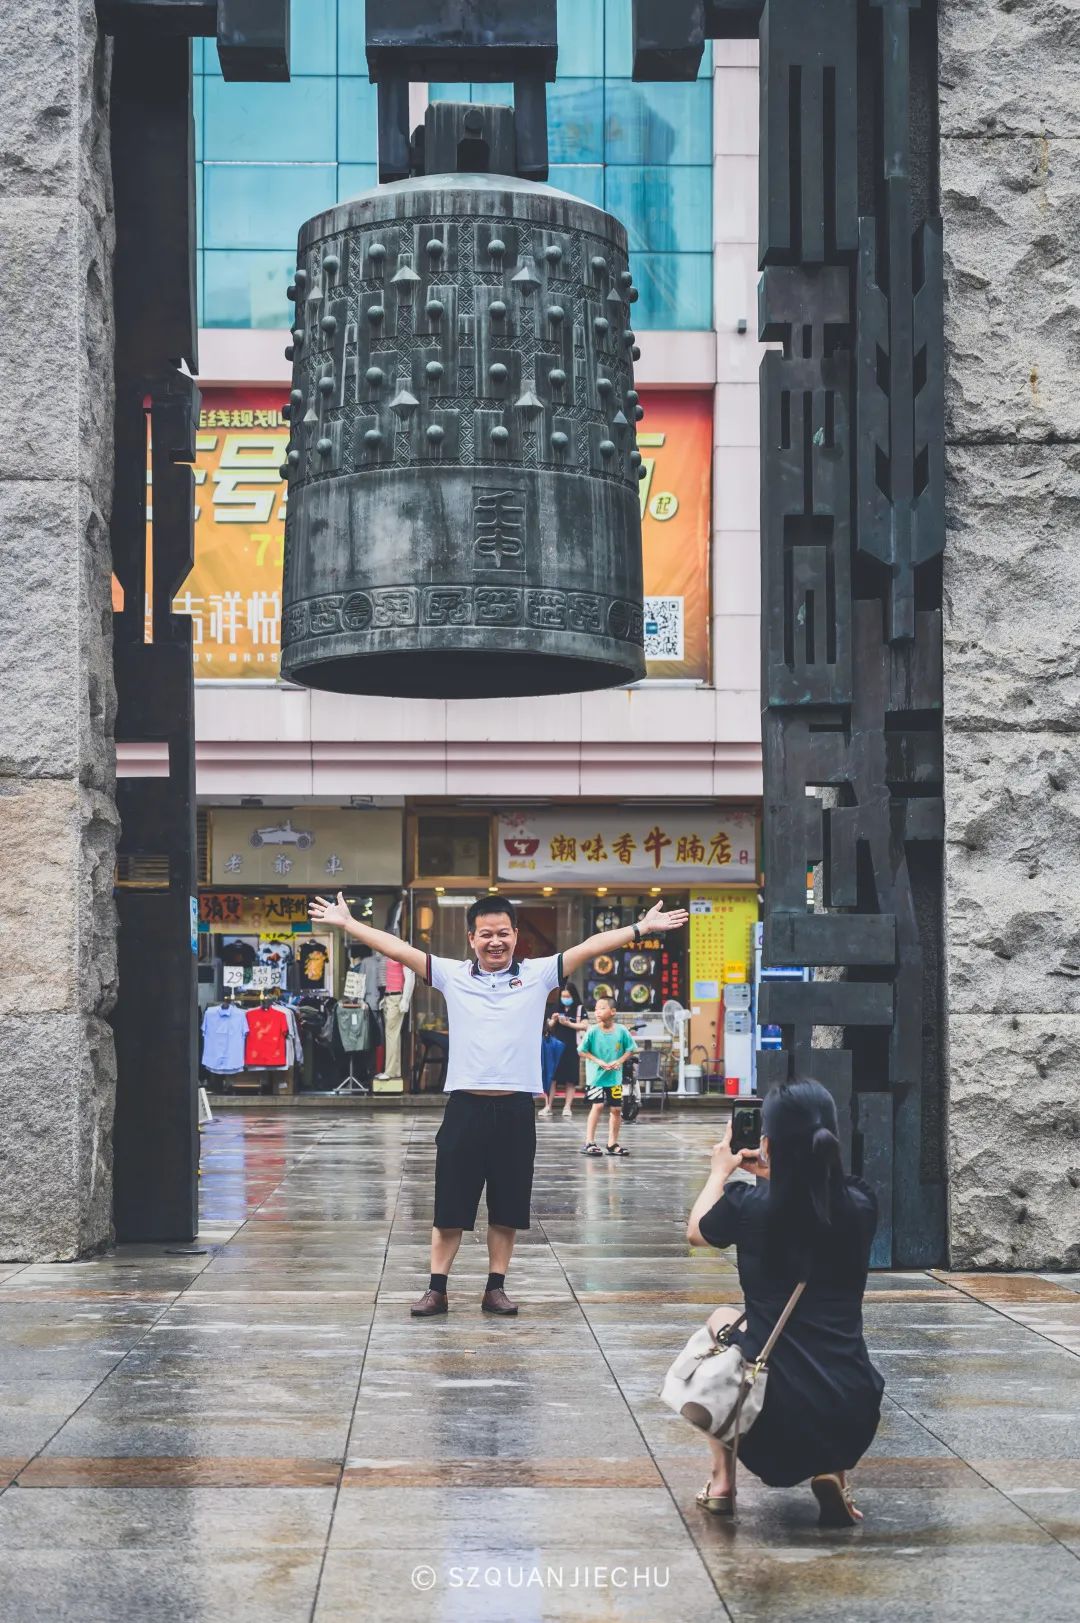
(432, 1048)
(648, 1071)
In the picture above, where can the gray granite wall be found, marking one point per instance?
(57, 767)
(1010, 182)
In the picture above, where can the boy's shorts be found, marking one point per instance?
(598, 1095)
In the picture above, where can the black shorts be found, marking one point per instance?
(485, 1139)
(596, 1095)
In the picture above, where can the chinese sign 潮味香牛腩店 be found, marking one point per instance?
(710, 846)
(233, 594)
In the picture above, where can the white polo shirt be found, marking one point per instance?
(496, 1020)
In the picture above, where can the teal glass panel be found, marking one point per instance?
(357, 121)
(290, 123)
(662, 123)
(264, 205)
(664, 208)
(580, 180)
(246, 289)
(618, 40)
(675, 291)
(200, 290)
(199, 191)
(576, 121)
(497, 95)
(199, 94)
(352, 36)
(581, 37)
(354, 178)
(313, 43)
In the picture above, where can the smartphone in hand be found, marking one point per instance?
(746, 1125)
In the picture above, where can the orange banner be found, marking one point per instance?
(675, 440)
(233, 594)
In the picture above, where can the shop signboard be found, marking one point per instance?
(237, 911)
(675, 440)
(632, 849)
(721, 941)
(233, 594)
(322, 849)
(722, 923)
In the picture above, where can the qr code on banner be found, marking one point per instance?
(664, 627)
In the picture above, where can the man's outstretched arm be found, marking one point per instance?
(391, 946)
(655, 922)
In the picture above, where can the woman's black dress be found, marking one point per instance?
(567, 1067)
(823, 1399)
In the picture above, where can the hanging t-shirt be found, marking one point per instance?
(224, 1030)
(313, 958)
(267, 1038)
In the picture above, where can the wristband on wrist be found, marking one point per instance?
(636, 935)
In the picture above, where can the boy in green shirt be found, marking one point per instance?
(606, 1048)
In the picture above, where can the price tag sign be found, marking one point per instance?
(233, 975)
(262, 976)
(355, 983)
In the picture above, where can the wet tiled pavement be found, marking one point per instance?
(261, 1432)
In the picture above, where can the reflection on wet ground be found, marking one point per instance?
(261, 1432)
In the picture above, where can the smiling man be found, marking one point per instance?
(495, 1005)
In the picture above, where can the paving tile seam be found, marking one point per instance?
(1009, 1312)
(973, 1466)
(360, 1376)
(167, 1307)
(28, 1464)
(637, 1426)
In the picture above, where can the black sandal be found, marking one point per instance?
(617, 1149)
(592, 1149)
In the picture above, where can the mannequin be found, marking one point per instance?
(394, 1007)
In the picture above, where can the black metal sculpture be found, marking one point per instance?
(463, 512)
(852, 536)
(155, 1136)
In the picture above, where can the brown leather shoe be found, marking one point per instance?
(498, 1302)
(429, 1305)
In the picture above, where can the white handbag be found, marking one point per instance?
(714, 1386)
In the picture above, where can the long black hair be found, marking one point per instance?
(810, 1212)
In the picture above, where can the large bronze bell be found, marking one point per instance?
(463, 512)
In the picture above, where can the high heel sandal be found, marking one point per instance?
(835, 1501)
(717, 1504)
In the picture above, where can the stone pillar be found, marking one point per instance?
(57, 767)
(1010, 184)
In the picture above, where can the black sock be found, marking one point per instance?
(437, 1282)
(495, 1282)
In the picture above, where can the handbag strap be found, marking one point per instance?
(766, 1351)
(778, 1330)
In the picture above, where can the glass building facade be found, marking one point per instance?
(271, 155)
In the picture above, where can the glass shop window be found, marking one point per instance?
(453, 847)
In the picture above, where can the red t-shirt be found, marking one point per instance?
(267, 1032)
